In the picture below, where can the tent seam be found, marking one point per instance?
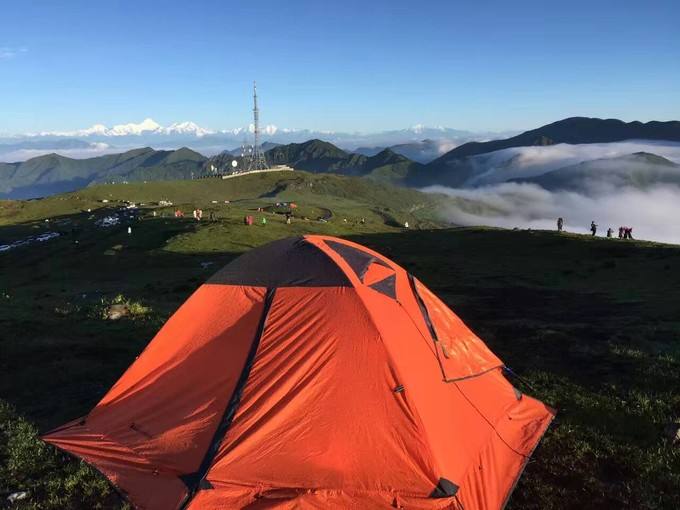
(232, 406)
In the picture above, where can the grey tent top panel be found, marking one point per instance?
(290, 262)
(386, 286)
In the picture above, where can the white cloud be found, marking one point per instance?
(269, 129)
(7, 53)
(517, 162)
(95, 149)
(652, 213)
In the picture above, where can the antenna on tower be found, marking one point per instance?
(257, 161)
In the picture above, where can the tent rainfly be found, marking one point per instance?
(312, 373)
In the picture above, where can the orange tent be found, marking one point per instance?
(312, 373)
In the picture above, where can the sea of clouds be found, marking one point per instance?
(653, 212)
(521, 162)
(95, 149)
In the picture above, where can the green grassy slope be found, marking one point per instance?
(50, 174)
(347, 197)
(590, 324)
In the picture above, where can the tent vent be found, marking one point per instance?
(444, 489)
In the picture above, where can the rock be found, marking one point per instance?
(672, 432)
(17, 496)
(115, 312)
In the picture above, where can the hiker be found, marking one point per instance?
(620, 232)
(609, 232)
(560, 223)
(406, 224)
(628, 233)
(129, 230)
(264, 221)
(593, 227)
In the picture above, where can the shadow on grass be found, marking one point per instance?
(592, 326)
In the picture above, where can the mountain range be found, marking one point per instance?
(574, 130)
(421, 151)
(323, 157)
(118, 138)
(52, 173)
(461, 165)
(568, 154)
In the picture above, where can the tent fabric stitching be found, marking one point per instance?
(435, 338)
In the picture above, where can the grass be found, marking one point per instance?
(591, 324)
(30, 463)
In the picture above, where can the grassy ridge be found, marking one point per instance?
(591, 324)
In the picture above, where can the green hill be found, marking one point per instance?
(350, 197)
(316, 156)
(323, 157)
(50, 174)
(589, 324)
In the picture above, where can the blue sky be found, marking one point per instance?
(337, 65)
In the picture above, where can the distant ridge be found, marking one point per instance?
(572, 130)
(322, 157)
(50, 174)
(452, 167)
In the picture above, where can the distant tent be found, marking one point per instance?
(312, 373)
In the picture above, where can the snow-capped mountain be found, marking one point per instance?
(211, 141)
(147, 126)
(187, 127)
